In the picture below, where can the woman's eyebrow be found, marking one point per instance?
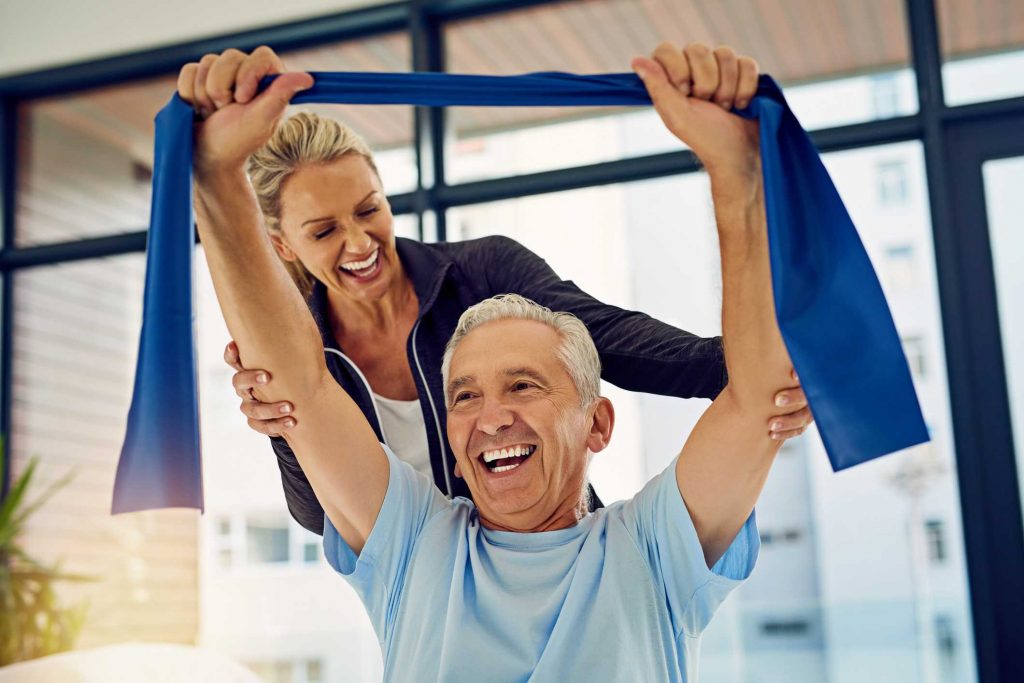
(327, 218)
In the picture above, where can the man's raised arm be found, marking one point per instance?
(263, 309)
(725, 462)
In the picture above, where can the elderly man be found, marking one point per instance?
(526, 582)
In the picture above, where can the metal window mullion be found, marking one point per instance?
(971, 400)
(429, 135)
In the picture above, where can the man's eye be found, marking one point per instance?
(323, 233)
(463, 396)
(521, 386)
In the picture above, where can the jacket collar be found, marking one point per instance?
(424, 264)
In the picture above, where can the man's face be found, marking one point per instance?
(520, 437)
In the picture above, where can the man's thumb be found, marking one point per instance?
(279, 94)
(654, 77)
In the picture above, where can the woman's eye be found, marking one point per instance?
(521, 386)
(323, 233)
(368, 212)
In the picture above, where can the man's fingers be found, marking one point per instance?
(273, 101)
(247, 380)
(796, 420)
(199, 94)
(220, 82)
(749, 72)
(703, 70)
(675, 65)
(728, 73)
(262, 62)
(186, 82)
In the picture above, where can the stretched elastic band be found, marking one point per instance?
(833, 316)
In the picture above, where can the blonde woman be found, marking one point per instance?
(386, 306)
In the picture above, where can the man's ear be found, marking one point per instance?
(458, 472)
(601, 425)
(282, 248)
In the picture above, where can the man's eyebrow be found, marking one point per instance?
(457, 383)
(526, 372)
(327, 218)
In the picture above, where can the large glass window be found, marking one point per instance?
(85, 161)
(983, 47)
(75, 341)
(1005, 206)
(872, 78)
(849, 585)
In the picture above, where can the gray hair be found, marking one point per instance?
(577, 351)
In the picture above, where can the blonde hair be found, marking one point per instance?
(300, 140)
(577, 351)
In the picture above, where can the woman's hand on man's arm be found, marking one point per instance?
(269, 419)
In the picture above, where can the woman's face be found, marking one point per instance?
(337, 222)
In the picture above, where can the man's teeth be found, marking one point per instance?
(362, 265)
(513, 452)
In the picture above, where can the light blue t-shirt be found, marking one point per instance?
(622, 596)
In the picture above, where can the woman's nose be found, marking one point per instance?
(358, 242)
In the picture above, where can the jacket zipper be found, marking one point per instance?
(369, 391)
(433, 409)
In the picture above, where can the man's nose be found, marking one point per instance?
(494, 417)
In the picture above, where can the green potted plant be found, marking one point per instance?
(33, 623)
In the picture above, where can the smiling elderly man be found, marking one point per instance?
(524, 583)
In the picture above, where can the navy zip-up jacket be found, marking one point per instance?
(638, 353)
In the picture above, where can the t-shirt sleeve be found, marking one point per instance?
(378, 572)
(664, 532)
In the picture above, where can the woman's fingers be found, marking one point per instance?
(262, 62)
(231, 356)
(797, 420)
(782, 436)
(728, 77)
(272, 427)
(247, 380)
(220, 81)
(791, 399)
(266, 412)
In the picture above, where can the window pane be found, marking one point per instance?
(598, 36)
(1003, 180)
(983, 49)
(387, 128)
(75, 340)
(85, 160)
(845, 589)
(266, 542)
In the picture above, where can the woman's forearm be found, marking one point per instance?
(263, 309)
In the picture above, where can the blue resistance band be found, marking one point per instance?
(830, 307)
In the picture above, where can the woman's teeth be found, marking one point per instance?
(355, 266)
